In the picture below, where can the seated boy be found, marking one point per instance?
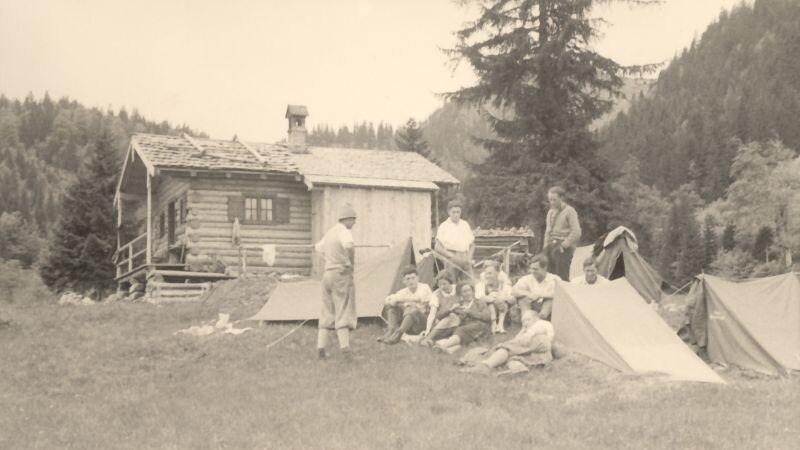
(406, 308)
(497, 294)
(535, 290)
(442, 318)
(531, 346)
(475, 319)
(590, 276)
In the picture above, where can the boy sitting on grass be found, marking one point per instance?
(497, 293)
(406, 308)
(532, 346)
(442, 318)
(475, 318)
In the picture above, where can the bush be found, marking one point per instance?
(735, 263)
(18, 285)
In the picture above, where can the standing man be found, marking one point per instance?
(590, 276)
(454, 240)
(562, 233)
(338, 310)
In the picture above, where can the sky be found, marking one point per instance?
(231, 67)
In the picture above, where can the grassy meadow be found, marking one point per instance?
(116, 376)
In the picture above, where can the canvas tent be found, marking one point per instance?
(375, 278)
(620, 258)
(611, 324)
(754, 324)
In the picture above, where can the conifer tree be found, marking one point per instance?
(710, 246)
(84, 237)
(410, 139)
(540, 85)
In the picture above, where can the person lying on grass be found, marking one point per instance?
(475, 318)
(406, 308)
(532, 346)
(495, 292)
(535, 290)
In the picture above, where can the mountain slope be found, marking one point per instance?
(43, 144)
(739, 81)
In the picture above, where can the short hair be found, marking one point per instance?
(529, 313)
(408, 270)
(464, 284)
(558, 190)
(540, 259)
(455, 203)
(590, 261)
(490, 263)
(444, 276)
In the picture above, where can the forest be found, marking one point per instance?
(702, 162)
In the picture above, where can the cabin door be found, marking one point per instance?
(171, 223)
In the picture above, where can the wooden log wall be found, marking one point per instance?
(385, 216)
(168, 189)
(210, 230)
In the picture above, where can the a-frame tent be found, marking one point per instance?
(374, 278)
(619, 258)
(612, 324)
(753, 324)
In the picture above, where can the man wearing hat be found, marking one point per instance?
(338, 310)
(455, 241)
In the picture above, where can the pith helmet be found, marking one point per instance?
(347, 212)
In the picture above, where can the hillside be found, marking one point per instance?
(43, 144)
(451, 130)
(738, 81)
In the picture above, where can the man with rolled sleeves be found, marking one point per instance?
(338, 310)
(562, 233)
(455, 241)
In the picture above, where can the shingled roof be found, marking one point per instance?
(359, 167)
(320, 165)
(181, 152)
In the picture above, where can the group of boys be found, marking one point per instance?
(459, 312)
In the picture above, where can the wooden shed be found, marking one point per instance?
(188, 206)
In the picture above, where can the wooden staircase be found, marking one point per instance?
(179, 285)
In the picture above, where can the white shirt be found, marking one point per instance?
(535, 289)
(581, 280)
(419, 298)
(456, 237)
(439, 296)
(503, 290)
(335, 245)
(543, 327)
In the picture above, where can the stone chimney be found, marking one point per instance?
(297, 133)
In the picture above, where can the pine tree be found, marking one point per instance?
(410, 139)
(729, 238)
(84, 238)
(710, 246)
(540, 85)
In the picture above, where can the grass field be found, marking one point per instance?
(115, 376)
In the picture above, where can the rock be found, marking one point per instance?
(115, 297)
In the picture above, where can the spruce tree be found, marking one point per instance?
(410, 139)
(84, 238)
(710, 246)
(729, 238)
(540, 85)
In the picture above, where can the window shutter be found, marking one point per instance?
(280, 210)
(236, 208)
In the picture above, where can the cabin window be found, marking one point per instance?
(258, 209)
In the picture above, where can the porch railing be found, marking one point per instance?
(131, 255)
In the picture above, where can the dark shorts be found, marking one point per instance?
(471, 332)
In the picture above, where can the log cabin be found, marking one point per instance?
(194, 210)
